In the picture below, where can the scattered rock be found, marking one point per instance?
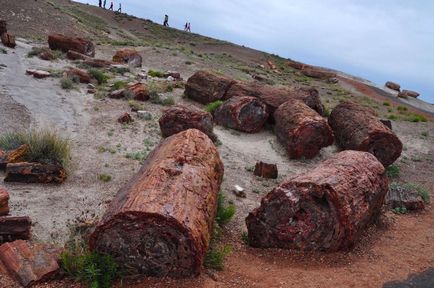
(65, 43)
(80, 74)
(136, 91)
(46, 54)
(206, 87)
(125, 118)
(408, 93)
(406, 196)
(333, 80)
(39, 74)
(8, 40)
(25, 172)
(143, 76)
(91, 91)
(117, 94)
(145, 115)
(91, 86)
(271, 65)
(14, 228)
(393, 86)
(4, 201)
(264, 170)
(239, 191)
(129, 56)
(176, 76)
(30, 263)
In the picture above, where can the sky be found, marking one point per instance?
(379, 40)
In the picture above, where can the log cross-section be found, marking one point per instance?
(160, 223)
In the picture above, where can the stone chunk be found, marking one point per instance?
(265, 170)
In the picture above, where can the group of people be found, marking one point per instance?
(187, 26)
(103, 5)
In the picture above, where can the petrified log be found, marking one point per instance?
(179, 118)
(295, 64)
(160, 223)
(129, 56)
(34, 173)
(65, 43)
(125, 118)
(408, 93)
(137, 91)
(30, 263)
(46, 54)
(273, 97)
(14, 228)
(3, 27)
(98, 63)
(357, 128)
(246, 114)
(13, 156)
(82, 75)
(326, 208)
(265, 170)
(4, 202)
(206, 87)
(8, 40)
(404, 195)
(318, 73)
(301, 130)
(74, 55)
(393, 86)
(38, 74)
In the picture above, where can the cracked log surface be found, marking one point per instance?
(326, 208)
(160, 223)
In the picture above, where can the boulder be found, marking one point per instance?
(4, 201)
(14, 228)
(408, 93)
(264, 170)
(179, 118)
(25, 172)
(39, 74)
(125, 118)
(80, 74)
(393, 86)
(65, 43)
(206, 87)
(8, 40)
(404, 196)
(129, 56)
(30, 263)
(246, 114)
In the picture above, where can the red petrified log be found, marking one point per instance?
(74, 55)
(8, 40)
(246, 114)
(34, 173)
(160, 223)
(206, 87)
(265, 170)
(301, 130)
(326, 208)
(13, 156)
(125, 118)
(357, 128)
(318, 73)
(82, 75)
(14, 228)
(273, 97)
(129, 56)
(4, 202)
(179, 118)
(30, 263)
(64, 43)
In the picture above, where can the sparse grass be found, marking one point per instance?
(245, 238)
(119, 85)
(99, 75)
(392, 117)
(46, 146)
(327, 111)
(154, 97)
(3, 50)
(156, 74)
(224, 212)
(134, 105)
(168, 101)
(211, 107)
(249, 168)
(66, 83)
(401, 108)
(105, 177)
(120, 70)
(385, 103)
(416, 118)
(138, 156)
(393, 171)
(215, 257)
(400, 210)
(424, 134)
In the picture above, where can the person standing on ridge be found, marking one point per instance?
(120, 8)
(111, 6)
(100, 3)
(189, 27)
(166, 21)
(186, 26)
(105, 2)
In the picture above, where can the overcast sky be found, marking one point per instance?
(379, 40)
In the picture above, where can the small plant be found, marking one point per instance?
(215, 257)
(100, 76)
(392, 117)
(386, 103)
(424, 134)
(402, 108)
(119, 85)
(211, 107)
(120, 70)
(400, 210)
(154, 97)
(66, 83)
(245, 238)
(138, 156)
(327, 111)
(392, 171)
(224, 212)
(3, 50)
(249, 168)
(416, 118)
(135, 106)
(105, 177)
(169, 101)
(156, 74)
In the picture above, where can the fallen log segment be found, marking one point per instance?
(82, 75)
(8, 40)
(30, 263)
(4, 202)
(179, 118)
(160, 223)
(128, 56)
(14, 228)
(246, 114)
(65, 43)
(13, 156)
(206, 87)
(318, 73)
(25, 172)
(357, 128)
(265, 170)
(301, 130)
(326, 208)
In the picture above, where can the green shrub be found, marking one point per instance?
(402, 108)
(134, 105)
(45, 146)
(156, 74)
(392, 117)
(224, 212)
(169, 101)
(3, 50)
(400, 210)
(99, 75)
(120, 70)
(34, 52)
(105, 177)
(138, 156)
(188, 63)
(119, 85)
(421, 191)
(154, 97)
(215, 257)
(416, 118)
(392, 171)
(211, 107)
(66, 83)
(385, 103)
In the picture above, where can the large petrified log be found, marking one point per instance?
(8, 40)
(301, 130)
(179, 118)
(273, 97)
(4, 202)
(160, 223)
(128, 56)
(326, 208)
(408, 93)
(246, 114)
(206, 87)
(65, 43)
(82, 75)
(14, 228)
(265, 170)
(317, 73)
(357, 128)
(393, 86)
(30, 263)
(13, 156)
(24, 172)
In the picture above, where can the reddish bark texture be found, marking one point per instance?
(179, 118)
(206, 87)
(393, 86)
(265, 170)
(326, 208)
(24, 172)
(82, 75)
(246, 114)
(408, 93)
(160, 223)
(129, 56)
(30, 263)
(4, 202)
(301, 130)
(74, 55)
(14, 228)
(125, 118)
(136, 91)
(65, 43)
(357, 128)
(13, 156)
(8, 40)
(317, 73)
